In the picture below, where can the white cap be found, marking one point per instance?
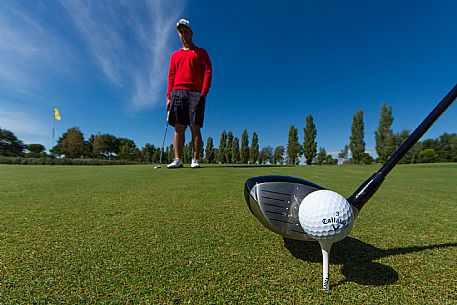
(183, 22)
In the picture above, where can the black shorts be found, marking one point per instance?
(186, 108)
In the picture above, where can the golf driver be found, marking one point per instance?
(299, 209)
(163, 142)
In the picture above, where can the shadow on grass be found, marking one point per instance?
(357, 258)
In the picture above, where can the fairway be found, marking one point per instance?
(132, 234)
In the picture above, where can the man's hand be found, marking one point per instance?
(168, 105)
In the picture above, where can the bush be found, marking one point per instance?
(367, 159)
(63, 161)
(428, 155)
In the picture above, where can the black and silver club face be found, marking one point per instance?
(275, 201)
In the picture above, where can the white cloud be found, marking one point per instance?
(30, 51)
(22, 122)
(131, 42)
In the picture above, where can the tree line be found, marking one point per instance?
(442, 149)
(235, 150)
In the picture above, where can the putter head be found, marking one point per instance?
(275, 201)
(158, 166)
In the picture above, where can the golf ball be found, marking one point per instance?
(326, 215)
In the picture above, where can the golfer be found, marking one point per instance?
(189, 80)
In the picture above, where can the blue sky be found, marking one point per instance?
(104, 65)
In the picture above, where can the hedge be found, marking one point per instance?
(63, 161)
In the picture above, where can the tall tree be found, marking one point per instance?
(127, 149)
(166, 155)
(105, 145)
(244, 149)
(209, 150)
(356, 141)
(293, 147)
(127, 152)
(222, 144)
(329, 160)
(156, 156)
(100, 146)
(254, 151)
(321, 156)
(398, 139)
(366, 158)
(10, 145)
(147, 152)
(236, 150)
(201, 152)
(228, 148)
(430, 144)
(72, 143)
(187, 153)
(344, 152)
(36, 151)
(170, 154)
(266, 155)
(216, 153)
(90, 147)
(414, 151)
(278, 155)
(447, 147)
(126, 141)
(310, 145)
(384, 136)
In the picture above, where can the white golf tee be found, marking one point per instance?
(325, 247)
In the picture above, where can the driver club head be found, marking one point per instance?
(275, 202)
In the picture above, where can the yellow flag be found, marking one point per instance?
(57, 114)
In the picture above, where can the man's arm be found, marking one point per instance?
(207, 73)
(171, 77)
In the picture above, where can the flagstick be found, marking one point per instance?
(53, 130)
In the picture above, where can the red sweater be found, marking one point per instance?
(190, 70)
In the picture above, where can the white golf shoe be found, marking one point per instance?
(195, 163)
(177, 163)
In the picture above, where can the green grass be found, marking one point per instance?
(132, 234)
